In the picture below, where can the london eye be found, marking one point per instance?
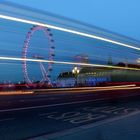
(45, 72)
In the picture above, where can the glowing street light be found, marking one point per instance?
(75, 71)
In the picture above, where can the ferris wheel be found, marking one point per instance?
(44, 72)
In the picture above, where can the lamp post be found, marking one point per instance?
(75, 71)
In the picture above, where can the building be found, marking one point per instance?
(94, 76)
(66, 79)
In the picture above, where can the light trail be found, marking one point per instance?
(17, 92)
(73, 90)
(68, 30)
(138, 61)
(110, 89)
(87, 88)
(94, 89)
(66, 63)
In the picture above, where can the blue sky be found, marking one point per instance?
(121, 16)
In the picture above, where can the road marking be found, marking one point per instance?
(53, 105)
(21, 100)
(45, 114)
(36, 99)
(84, 127)
(87, 118)
(64, 115)
(112, 109)
(89, 108)
(8, 119)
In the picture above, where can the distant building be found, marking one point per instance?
(87, 77)
(66, 79)
(93, 76)
(81, 58)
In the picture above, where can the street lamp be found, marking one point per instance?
(75, 71)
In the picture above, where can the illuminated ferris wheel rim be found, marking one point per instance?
(25, 51)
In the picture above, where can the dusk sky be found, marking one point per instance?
(121, 16)
(118, 16)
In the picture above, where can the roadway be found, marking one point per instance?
(27, 116)
(45, 97)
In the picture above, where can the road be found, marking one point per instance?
(47, 97)
(35, 118)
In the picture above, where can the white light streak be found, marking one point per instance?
(68, 30)
(86, 88)
(138, 60)
(66, 63)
